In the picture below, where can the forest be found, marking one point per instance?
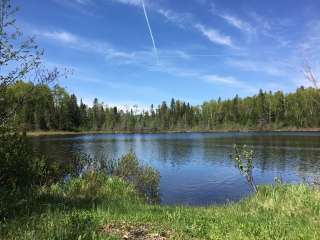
(53, 108)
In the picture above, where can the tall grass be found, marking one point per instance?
(82, 208)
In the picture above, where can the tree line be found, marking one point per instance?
(53, 108)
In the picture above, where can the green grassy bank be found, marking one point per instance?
(101, 207)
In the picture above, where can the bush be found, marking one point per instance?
(19, 168)
(22, 172)
(143, 177)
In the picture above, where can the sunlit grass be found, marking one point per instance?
(81, 209)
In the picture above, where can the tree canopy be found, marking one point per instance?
(53, 108)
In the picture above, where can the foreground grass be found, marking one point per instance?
(97, 207)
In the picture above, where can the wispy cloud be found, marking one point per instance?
(180, 19)
(233, 20)
(228, 81)
(140, 58)
(254, 25)
(185, 20)
(129, 2)
(214, 35)
(220, 79)
(238, 23)
(212, 78)
(73, 41)
(143, 59)
(111, 53)
(61, 36)
(82, 6)
(273, 68)
(271, 28)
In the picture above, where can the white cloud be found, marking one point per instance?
(229, 81)
(119, 54)
(233, 20)
(61, 36)
(143, 59)
(180, 19)
(129, 2)
(81, 6)
(214, 35)
(199, 75)
(220, 79)
(238, 23)
(274, 68)
(97, 47)
(185, 20)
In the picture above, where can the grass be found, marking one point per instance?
(100, 207)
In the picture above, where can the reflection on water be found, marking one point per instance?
(196, 168)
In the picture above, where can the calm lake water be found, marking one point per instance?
(195, 168)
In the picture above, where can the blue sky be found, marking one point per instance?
(203, 49)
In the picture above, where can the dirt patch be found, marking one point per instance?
(134, 231)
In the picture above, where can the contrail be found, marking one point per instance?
(150, 31)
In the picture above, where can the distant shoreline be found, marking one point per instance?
(62, 133)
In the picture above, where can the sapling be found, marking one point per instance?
(243, 158)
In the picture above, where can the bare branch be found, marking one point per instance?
(310, 75)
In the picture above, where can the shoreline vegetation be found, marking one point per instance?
(61, 133)
(109, 208)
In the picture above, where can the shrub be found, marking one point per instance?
(22, 172)
(243, 157)
(143, 177)
(19, 168)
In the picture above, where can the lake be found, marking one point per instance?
(196, 168)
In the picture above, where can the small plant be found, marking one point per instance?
(243, 157)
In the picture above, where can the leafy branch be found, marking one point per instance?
(243, 158)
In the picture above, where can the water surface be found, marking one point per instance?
(195, 168)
